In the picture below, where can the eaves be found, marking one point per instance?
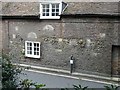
(116, 15)
(90, 15)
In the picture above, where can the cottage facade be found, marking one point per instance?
(89, 31)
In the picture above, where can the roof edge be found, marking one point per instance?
(62, 15)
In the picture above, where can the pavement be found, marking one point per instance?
(74, 75)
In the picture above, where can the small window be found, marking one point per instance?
(50, 10)
(32, 49)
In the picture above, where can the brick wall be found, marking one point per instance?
(89, 40)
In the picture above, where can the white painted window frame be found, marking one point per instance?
(31, 55)
(50, 12)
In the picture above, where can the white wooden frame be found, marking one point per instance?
(31, 55)
(50, 12)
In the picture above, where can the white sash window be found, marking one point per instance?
(50, 10)
(32, 49)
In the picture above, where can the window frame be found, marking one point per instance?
(50, 10)
(26, 49)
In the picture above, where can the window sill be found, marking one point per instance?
(30, 56)
(50, 17)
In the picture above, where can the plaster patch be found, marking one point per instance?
(14, 36)
(94, 54)
(58, 50)
(88, 42)
(48, 28)
(23, 50)
(63, 24)
(60, 39)
(66, 40)
(23, 23)
(73, 42)
(32, 35)
(11, 42)
(16, 28)
(102, 35)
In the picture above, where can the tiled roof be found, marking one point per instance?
(32, 8)
(20, 8)
(92, 8)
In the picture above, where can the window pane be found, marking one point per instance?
(43, 14)
(47, 14)
(30, 48)
(37, 53)
(43, 10)
(34, 44)
(47, 5)
(37, 44)
(57, 14)
(53, 10)
(43, 6)
(37, 49)
(34, 49)
(53, 5)
(57, 10)
(30, 44)
(30, 52)
(57, 5)
(53, 14)
(47, 10)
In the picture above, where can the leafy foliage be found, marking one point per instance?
(64, 89)
(76, 87)
(112, 87)
(10, 77)
(79, 87)
(37, 86)
(26, 83)
(9, 73)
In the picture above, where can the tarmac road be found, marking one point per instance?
(54, 81)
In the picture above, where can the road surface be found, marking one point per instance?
(53, 81)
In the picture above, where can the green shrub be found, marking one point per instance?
(112, 87)
(79, 87)
(10, 79)
(9, 73)
(26, 83)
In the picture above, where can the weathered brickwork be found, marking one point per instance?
(89, 40)
(0, 36)
(0, 28)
